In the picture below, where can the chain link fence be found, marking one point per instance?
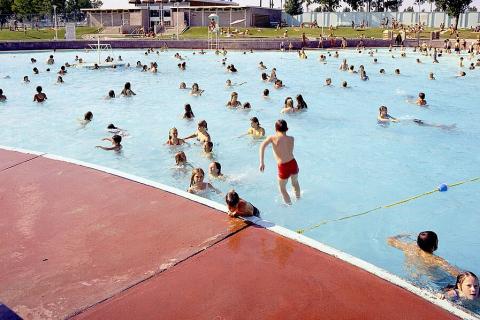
(37, 22)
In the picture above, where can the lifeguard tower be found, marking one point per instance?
(213, 32)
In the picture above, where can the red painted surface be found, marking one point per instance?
(100, 234)
(256, 274)
(72, 237)
(10, 158)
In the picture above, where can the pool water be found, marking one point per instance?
(348, 163)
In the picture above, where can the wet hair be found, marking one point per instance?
(375, 60)
(421, 95)
(288, 102)
(382, 70)
(397, 71)
(246, 105)
(182, 85)
(194, 173)
(170, 133)
(266, 92)
(180, 157)
(462, 276)
(344, 84)
(117, 139)
(281, 126)
(88, 116)
(35, 70)
(301, 104)
(218, 166)
(111, 94)
(1, 91)
(203, 123)
(188, 112)
(232, 199)
(382, 108)
(39, 89)
(264, 76)
(127, 85)
(254, 119)
(427, 241)
(111, 126)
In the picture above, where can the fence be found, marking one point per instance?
(39, 21)
(374, 19)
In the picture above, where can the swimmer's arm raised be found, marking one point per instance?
(263, 146)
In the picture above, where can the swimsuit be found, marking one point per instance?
(285, 170)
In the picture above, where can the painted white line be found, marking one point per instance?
(22, 150)
(379, 272)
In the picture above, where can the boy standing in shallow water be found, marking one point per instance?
(283, 152)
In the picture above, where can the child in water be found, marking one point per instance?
(255, 129)
(196, 182)
(421, 99)
(3, 98)
(116, 143)
(237, 207)
(87, 118)
(39, 96)
(173, 139)
(127, 91)
(384, 117)
(215, 170)
(466, 287)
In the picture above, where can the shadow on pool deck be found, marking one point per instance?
(84, 243)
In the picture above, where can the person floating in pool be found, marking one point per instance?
(115, 130)
(201, 134)
(465, 288)
(261, 66)
(50, 60)
(215, 170)
(39, 96)
(116, 143)
(111, 95)
(183, 85)
(127, 91)
(173, 139)
(87, 118)
(283, 152)
(181, 159)
(188, 114)
(237, 207)
(421, 99)
(425, 246)
(197, 185)
(35, 70)
(26, 80)
(384, 117)
(3, 97)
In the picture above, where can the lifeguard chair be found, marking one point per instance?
(213, 31)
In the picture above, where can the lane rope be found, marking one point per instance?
(439, 189)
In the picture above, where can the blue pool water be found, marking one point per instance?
(348, 163)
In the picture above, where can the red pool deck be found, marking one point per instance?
(78, 242)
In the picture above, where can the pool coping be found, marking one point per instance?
(290, 234)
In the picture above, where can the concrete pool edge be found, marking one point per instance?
(271, 227)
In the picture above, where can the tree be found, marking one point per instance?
(354, 4)
(329, 5)
(454, 8)
(472, 9)
(293, 7)
(5, 11)
(392, 5)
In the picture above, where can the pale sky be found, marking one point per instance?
(124, 3)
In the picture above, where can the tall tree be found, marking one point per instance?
(22, 7)
(293, 7)
(392, 5)
(5, 11)
(354, 4)
(329, 5)
(454, 8)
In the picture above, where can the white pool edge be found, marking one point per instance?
(377, 271)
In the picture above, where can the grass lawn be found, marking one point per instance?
(42, 34)
(296, 32)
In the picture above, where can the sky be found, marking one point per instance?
(125, 4)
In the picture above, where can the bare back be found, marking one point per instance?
(282, 148)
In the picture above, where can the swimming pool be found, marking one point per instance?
(348, 163)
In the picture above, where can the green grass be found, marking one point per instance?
(42, 34)
(296, 32)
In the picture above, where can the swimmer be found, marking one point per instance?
(345, 84)
(425, 246)
(255, 130)
(228, 83)
(116, 143)
(208, 148)
(173, 139)
(351, 69)
(283, 152)
(264, 76)
(60, 79)
(237, 207)
(188, 112)
(33, 60)
(421, 99)
(278, 84)
(234, 103)
(87, 118)
(418, 61)
(328, 82)
(35, 70)
(215, 170)
(460, 63)
(26, 80)
(441, 126)
(181, 159)
(465, 288)
(461, 74)
(3, 98)
(273, 75)
(246, 106)
(50, 60)
(196, 91)
(201, 134)
(62, 71)
(431, 76)
(39, 96)
(288, 106)
(115, 130)
(183, 85)
(111, 95)
(343, 65)
(375, 60)
(472, 66)
(261, 66)
(301, 104)
(196, 182)
(266, 92)
(384, 117)
(139, 64)
(127, 91)
(231, 68)
(382, 71)
(397, 71)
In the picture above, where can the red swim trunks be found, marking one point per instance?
(285, 170)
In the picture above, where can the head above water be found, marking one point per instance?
(180, 158)
(215, 168)
(117, 139)
(197, 173)
(421, 95)
(281, 126)
(232, 199)
(88, 116)
(467, 285)
(111, 126)
(427, 241)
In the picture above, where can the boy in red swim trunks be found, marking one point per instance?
(283, 152)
